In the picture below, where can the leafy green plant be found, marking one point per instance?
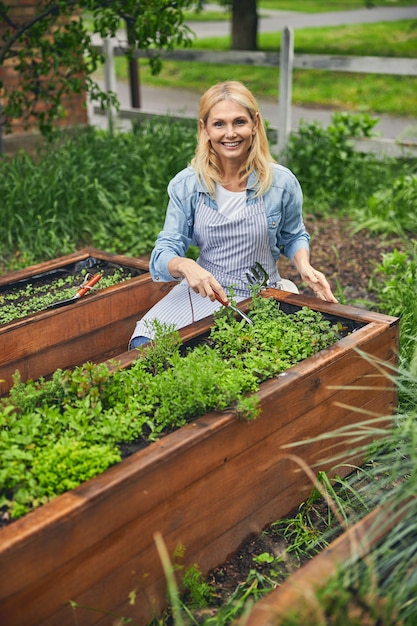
(60, 467)
(379, 588)
(88, 406)
(395, 284)
(341, 605)
(91, 189)
(391, 209)
(305, 531)
(327, 164)
(18, 302)
(198, 591)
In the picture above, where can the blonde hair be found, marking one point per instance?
(206, 162)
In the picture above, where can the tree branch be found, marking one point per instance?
(21, 30)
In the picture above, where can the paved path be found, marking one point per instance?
(185, 102)
(275, 21)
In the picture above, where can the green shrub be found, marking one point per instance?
(333, 175)
(395, 284)
(93, 188)
(391, 210)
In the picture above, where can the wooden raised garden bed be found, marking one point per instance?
(93, 328)
(207, 486)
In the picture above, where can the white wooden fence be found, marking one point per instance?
(285, 61)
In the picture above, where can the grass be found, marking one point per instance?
(316, 6)
(308, 6)
(377, 93)
(396, 39)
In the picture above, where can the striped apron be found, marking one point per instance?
(228, 249)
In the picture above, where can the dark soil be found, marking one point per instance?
(248, 561)
(348, 261)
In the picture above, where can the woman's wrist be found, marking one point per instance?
(177, 265)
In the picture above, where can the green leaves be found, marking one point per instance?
(333, 174)
(55, 434)
(53, 54)
(93, 189)
(18, 302)
(395, 284)
(391, 210)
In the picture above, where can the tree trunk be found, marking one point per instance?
(134, 80)
(244, 25)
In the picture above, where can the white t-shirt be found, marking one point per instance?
(230, 203)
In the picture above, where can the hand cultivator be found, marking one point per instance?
(234, 308)
(258, 276)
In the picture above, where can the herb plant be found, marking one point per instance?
(78, 421)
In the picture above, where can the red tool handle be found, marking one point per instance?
(88, 285)
(219, 299)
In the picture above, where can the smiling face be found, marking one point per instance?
(230, 130)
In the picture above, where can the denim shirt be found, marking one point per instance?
(283, 208)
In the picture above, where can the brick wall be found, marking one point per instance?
(74, 105)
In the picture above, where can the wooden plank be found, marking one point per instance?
(222, 57)
(400, 66)
(225, 545)
(292, 392)
(69, 259)
(244, 485)
(41, 268)
(328, 308)
(300, 383)
(118, 259)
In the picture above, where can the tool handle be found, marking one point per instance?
(219, 299)
(88, 285)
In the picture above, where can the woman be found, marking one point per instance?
(238, 206)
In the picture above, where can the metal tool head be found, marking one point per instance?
(234, 308)
(258, 276)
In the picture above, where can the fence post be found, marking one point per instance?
(109, 77)
(285, 87)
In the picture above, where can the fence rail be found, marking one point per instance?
(285, 61)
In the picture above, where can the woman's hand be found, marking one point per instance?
(315, 280)
(199, 279)
(318, 283)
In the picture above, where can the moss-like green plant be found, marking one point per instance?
(54, 423)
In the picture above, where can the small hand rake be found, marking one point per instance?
(233, 307)
(258, 276)
(87, 285)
